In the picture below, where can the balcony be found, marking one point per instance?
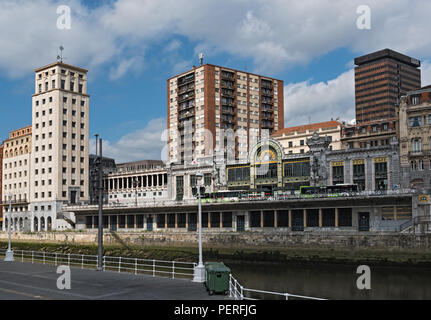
(187, 79)
(187, 89)
(186, 97)
(267, 116)
(267, 124)
(266, 85)
(228, 85)
(185, 115)
(266, 100)
(14, 202)
(228, 76)
(230, 111)
(185, 106)
(229, 93)
(267, 93)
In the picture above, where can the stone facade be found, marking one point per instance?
(415, 139)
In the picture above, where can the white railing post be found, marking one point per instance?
(32, 257)
(173, 269)
(68, 259)
(242, 292)
(44, 257)
(56, 258)
(154, 268)
(82, 262)
(119, 265)
(136, 265)
(22, 255)
(287, 296)
(230, 285)
(103, 264)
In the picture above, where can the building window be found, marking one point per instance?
(415, 121)
(415, 100)
(417, 145)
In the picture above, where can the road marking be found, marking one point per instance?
(24, 294)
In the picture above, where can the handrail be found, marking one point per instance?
(416, 220)
(154, 267)
(238, 292)
(279, 197)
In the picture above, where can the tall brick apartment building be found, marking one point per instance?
(211, 99)
(381, 78)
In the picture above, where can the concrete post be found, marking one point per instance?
(336, 217)
(320, 217)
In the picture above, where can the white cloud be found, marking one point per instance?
(146, 143)
(125, 66)
(274, 33)
(305, 102)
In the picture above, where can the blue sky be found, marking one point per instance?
(132, 47)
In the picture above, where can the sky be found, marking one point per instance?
(131, 48)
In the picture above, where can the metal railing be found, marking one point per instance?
(414, 222)
(243, 198)
(238, 292)
(156, 268)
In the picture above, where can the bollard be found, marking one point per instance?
(173, 269)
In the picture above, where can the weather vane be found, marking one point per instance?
(60, 56)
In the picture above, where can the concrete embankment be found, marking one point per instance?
(245, 246)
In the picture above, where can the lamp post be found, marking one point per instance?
(199, 272)
(9, 252)
(100, 223)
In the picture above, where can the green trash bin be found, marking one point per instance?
(217, 277)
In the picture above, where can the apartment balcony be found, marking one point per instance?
(183, 126)
(267, 116)
(186, 115)
(186, 79)
(228, 85)
(266, 100)
(229, 103)
(267, 108)
(229, 94)
(186, 97)
(267, 124)
(229, 111)
(227, 76)
(266, 85)
(185, 106)
(187, 89)
(267, 93)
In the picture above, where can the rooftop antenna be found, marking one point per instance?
(201, 59)
(60, 56)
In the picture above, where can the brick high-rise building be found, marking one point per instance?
(381, 78)
(207, 99)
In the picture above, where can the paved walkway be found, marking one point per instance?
(20, 280)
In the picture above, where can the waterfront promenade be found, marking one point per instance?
(26, 281)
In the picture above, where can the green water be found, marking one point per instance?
(334, 281)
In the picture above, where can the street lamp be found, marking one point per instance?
(199, 272)
(9, 252)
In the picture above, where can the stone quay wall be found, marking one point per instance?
(246, 239)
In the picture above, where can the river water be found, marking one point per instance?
(334, 281)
